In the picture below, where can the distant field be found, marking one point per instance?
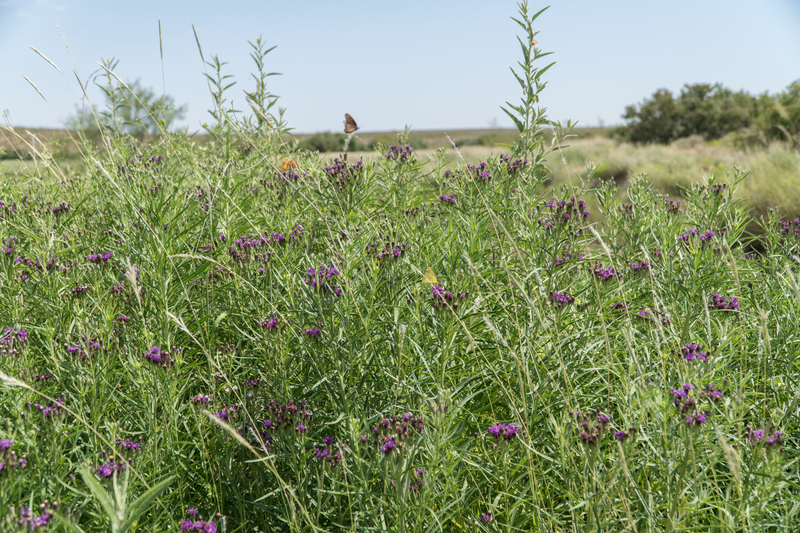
(774, 180)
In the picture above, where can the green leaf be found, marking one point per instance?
(520, 127)
(140, 506)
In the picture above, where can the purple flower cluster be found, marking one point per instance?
(686, 237)
(561, 299)
(622, 435)
(313, 333)
(402, 154)
(200, 399)
(562, 211)
(329, 453)
(639, 267)
(566, 258)
(605, 274)
(391, 434)
(618, 306)
(320, 278)
(445, 300)
(448, 199)
(513, 166)
(672, 205)
(196, 523)
(694, 351)
(389, 250)
(49, 411)
(270, 324)
(415, 485)
(99, 258)
(789, 227)
(479, 174)
(27, 520)
(287, 415)
(756, 436)
(8, 458)
(129, 445)
(722, 303)
(13, 337)
(78, 290)
(107, 470)
(503, 432)
(226, 413)
(688, 405)
(591, 426)
(341, 174)
(159, 357)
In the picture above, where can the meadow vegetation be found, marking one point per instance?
(247, 336)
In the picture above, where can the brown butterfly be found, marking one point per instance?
(349, 124)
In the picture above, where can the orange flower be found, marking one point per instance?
(534, 42)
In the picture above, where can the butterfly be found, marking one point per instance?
(429, 277)
(288, 163)
(349, 124)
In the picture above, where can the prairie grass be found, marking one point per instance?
(250, 336)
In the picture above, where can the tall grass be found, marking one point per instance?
(253, 333)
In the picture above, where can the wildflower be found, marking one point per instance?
(200, 399)
(5, 444)
(448, 199)
(517, 164)
(196, 523)
(672, 205)
(129, 445)
(688, 405)
(694, 351)
(622, 436)
(443, 299)
(722, 303)
(301, 428)
(403, 154)
(106, 470)
(618, 306)
(560, 300)
(388, 446)
(505, 432)
(313, 333)
(591, 426)
(604, 274)
(319, 279)
(640, 266)
(270, 324)
(227, 413)
(159, 357)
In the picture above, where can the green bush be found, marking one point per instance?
(713, 112)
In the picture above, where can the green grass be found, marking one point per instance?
(251, 331)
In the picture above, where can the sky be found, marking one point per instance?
(434, 64)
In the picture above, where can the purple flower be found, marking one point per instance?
(5, 444)
(723, 304)
(388, 446)
(505, 432)
(560, 300)
(694, 351)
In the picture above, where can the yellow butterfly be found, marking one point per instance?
(429, 277)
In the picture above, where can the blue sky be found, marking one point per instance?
(433, 64)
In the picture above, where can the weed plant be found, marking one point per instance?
(244, 338)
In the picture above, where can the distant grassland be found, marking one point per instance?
(774, 180)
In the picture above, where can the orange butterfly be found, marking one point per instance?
(288, 163)
(349, 124)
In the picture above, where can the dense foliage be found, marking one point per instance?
(713, 111)
(258, 339)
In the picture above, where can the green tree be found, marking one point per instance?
(130, 108)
